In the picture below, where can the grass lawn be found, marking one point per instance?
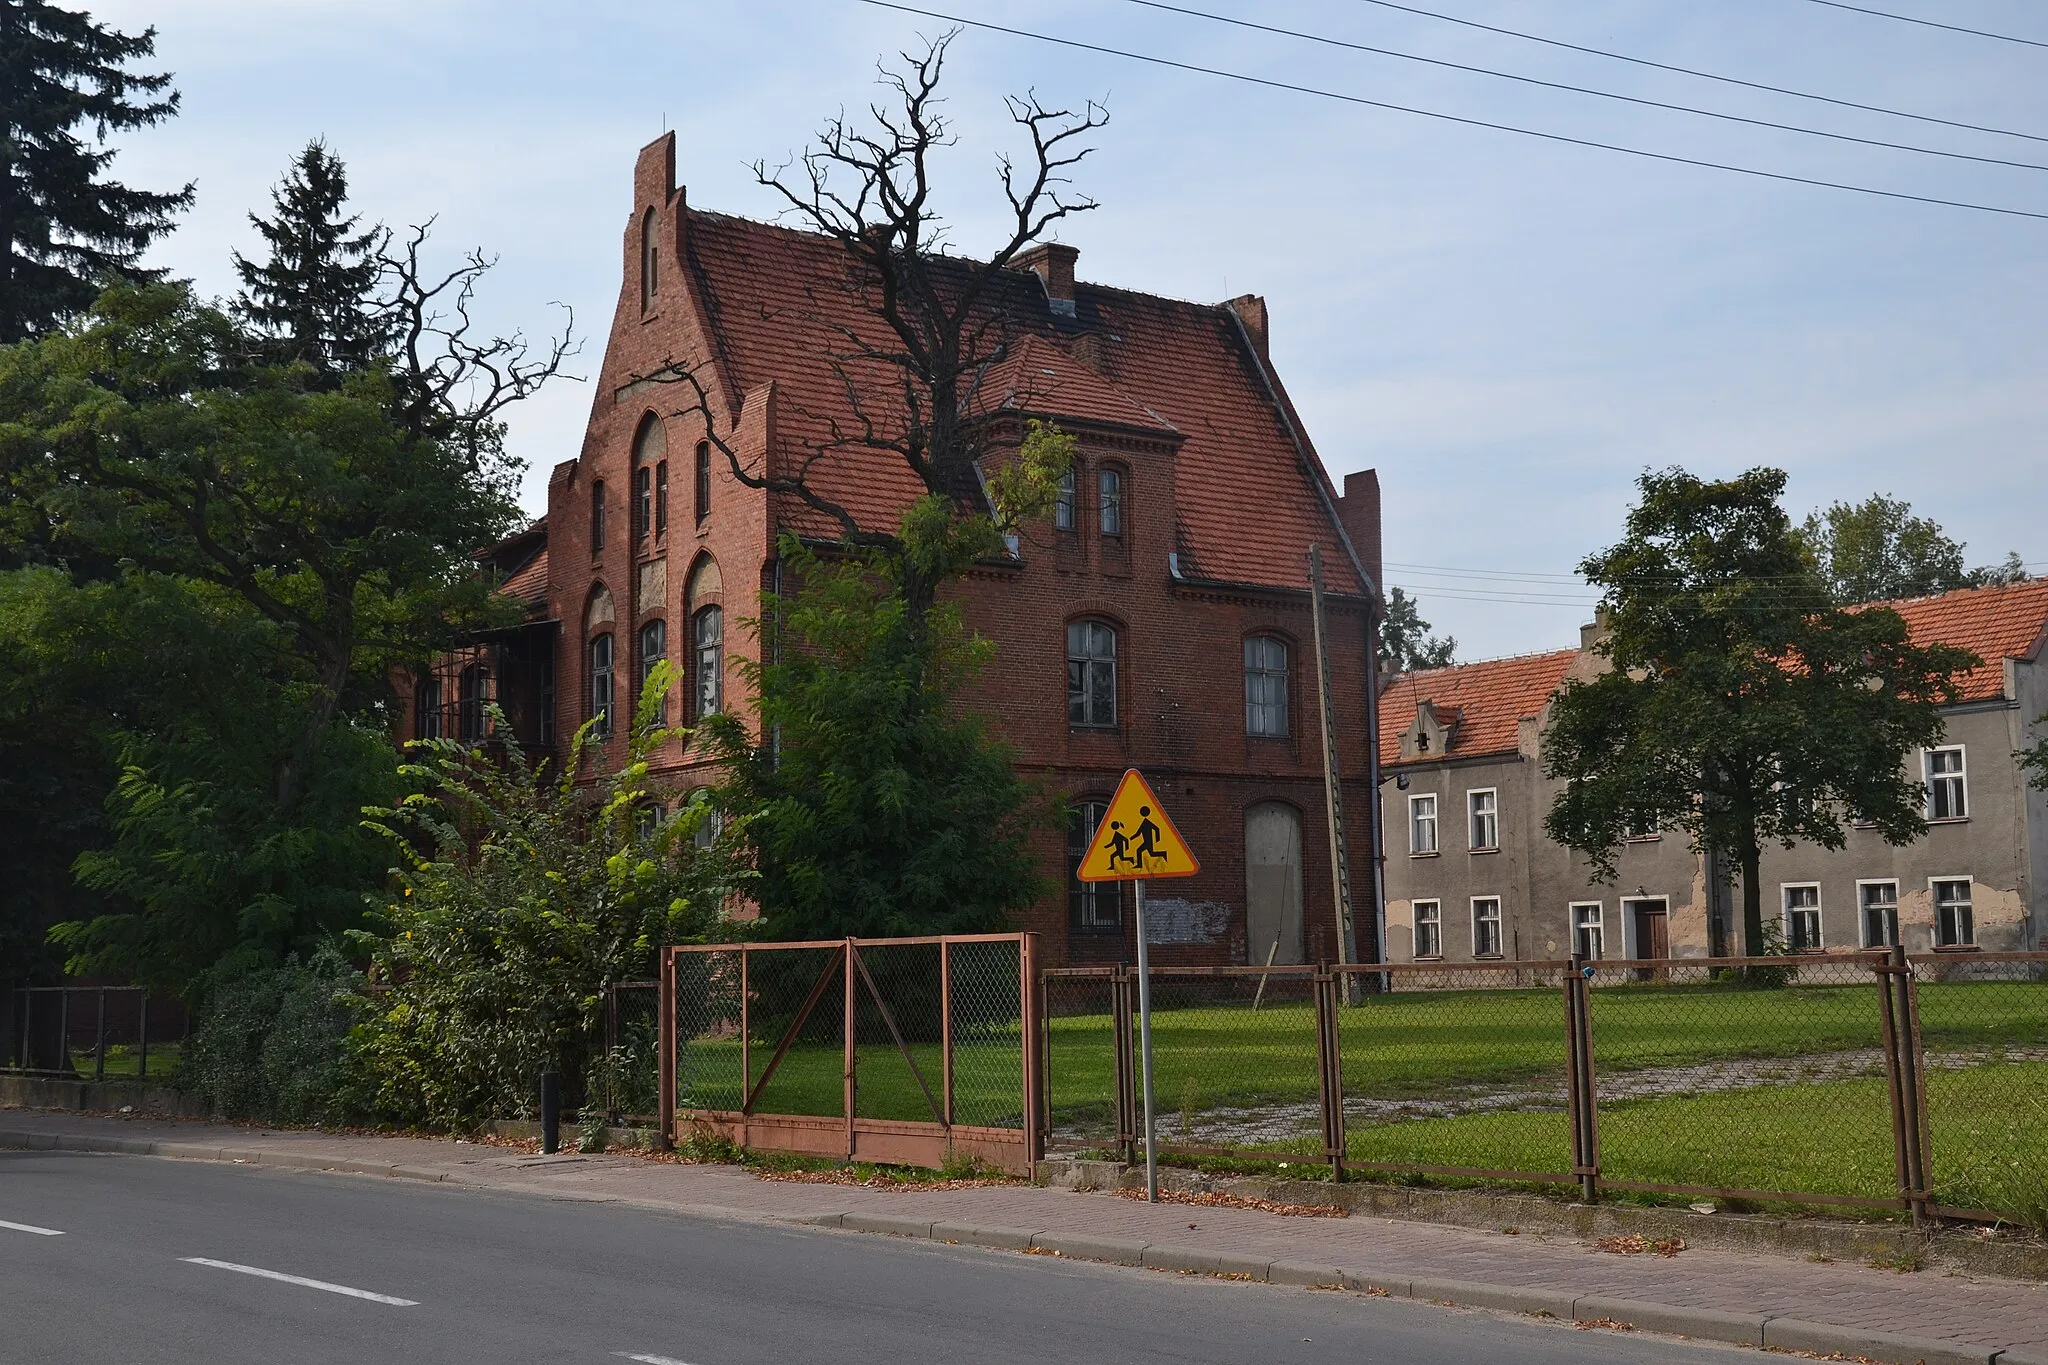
(124, 1062)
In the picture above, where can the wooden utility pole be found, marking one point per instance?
(1333, 796)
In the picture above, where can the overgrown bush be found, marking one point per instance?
(274, 1044)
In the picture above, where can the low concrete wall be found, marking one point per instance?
(109, 1097)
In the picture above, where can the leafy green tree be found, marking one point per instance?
(1877, 550)
(878, 807)
(1406, 646)
(1742, 706)
(313, 296)
(65, 229)
(518, 894)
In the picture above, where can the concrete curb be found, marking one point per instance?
(1744, 1329)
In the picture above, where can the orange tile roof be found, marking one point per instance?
(531, 582)
(1492, 696)
(1040, 379)
(779, 305)
(1995, 624)
(1490, 699)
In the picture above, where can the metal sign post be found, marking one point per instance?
(1145, 1052)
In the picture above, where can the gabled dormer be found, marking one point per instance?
(1430, 734)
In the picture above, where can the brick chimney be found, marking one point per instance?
(1359, 509)
(1053, 263)
(1251, 311)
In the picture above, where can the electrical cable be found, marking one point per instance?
(1582, 89)
(1451, 118)
(1930, 23)
(1700, 75)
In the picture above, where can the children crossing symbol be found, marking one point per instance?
(1136, 839)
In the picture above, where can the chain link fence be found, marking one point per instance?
(1982, 1030)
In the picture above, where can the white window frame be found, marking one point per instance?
(1415, 822)
(1969, 904)
(1265, 687)
(1495, 919)
(1598, 926)
(1863, 910)
(1472, 815)
(1961, 778)
(1785, 890)
(1436, 927)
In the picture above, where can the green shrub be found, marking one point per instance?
(273, 1044)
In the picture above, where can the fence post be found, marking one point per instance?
(1330, 1064)
(746, 1038)
(1580, 1080)
(946, 1031)
(1034, 1129)
(1890, 977)
(99, 1041)
(665, 1050)
(848, 1096)
(142, 1026)
(1126, 1082)
(64, 1062)
(1913, 1054)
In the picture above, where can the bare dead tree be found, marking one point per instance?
(931, 324)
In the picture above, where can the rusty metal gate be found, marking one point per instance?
(905, 1050)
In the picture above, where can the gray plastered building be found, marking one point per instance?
(1471, 875)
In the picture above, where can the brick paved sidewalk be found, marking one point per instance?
(1974, 1318)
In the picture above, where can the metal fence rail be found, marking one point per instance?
(101, 1032)
(1845, 1079)
(911, 1050)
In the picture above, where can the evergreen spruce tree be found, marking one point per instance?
(66, 228)
(313, 294)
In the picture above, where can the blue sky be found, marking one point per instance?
(1508, 329)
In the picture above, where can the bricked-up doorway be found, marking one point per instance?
(1272, 859)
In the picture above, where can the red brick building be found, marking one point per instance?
(1161, 621)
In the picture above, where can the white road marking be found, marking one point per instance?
(302, 1280)
(29, 1227)
(649, 1360)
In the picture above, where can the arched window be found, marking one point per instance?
(1265, 687)
(708, 631)
(660, 498)
(703, 480)
(653, 649)
(1092, 907)
(426, 709)
(1109, 484)
(475, 692)
(1091, 674)
(650, 262)
(650, 447)
(1063, 518)
(597, 516)
(601, 684)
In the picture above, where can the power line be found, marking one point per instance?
(1700, 75)
(1582, 89)
(1929, 23)
(1450, 118)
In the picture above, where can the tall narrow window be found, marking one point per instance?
(1483, 808)
(1955, 925)
(426, 709)
(1092, 907)
(1429, 929)
(601, 685)
(1802, 919)
(1421, 824)
(1091, 674)
(653, 649)
(650, 262)
(1486, 926)
(1947, 785)
(710, 662)
(470, 718)
(643, 503)
(546, 688)
(703, 480)
(1880, 913)
(661, 498)
(597, 516)
(1265, 687)
(1063, 504)
(1109, 487)
(1586, 930)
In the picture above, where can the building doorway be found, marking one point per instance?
(1272, 861)
(1649, 923)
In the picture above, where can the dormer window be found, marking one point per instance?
(1422, 741)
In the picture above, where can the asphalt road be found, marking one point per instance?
(180, 1261)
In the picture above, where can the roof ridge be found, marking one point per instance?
(1956, 592)
(1497, 659)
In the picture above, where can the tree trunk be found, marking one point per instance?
(1751, 858)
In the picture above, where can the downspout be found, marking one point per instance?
(1375, 613)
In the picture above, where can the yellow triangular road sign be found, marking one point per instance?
(1136, 839)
